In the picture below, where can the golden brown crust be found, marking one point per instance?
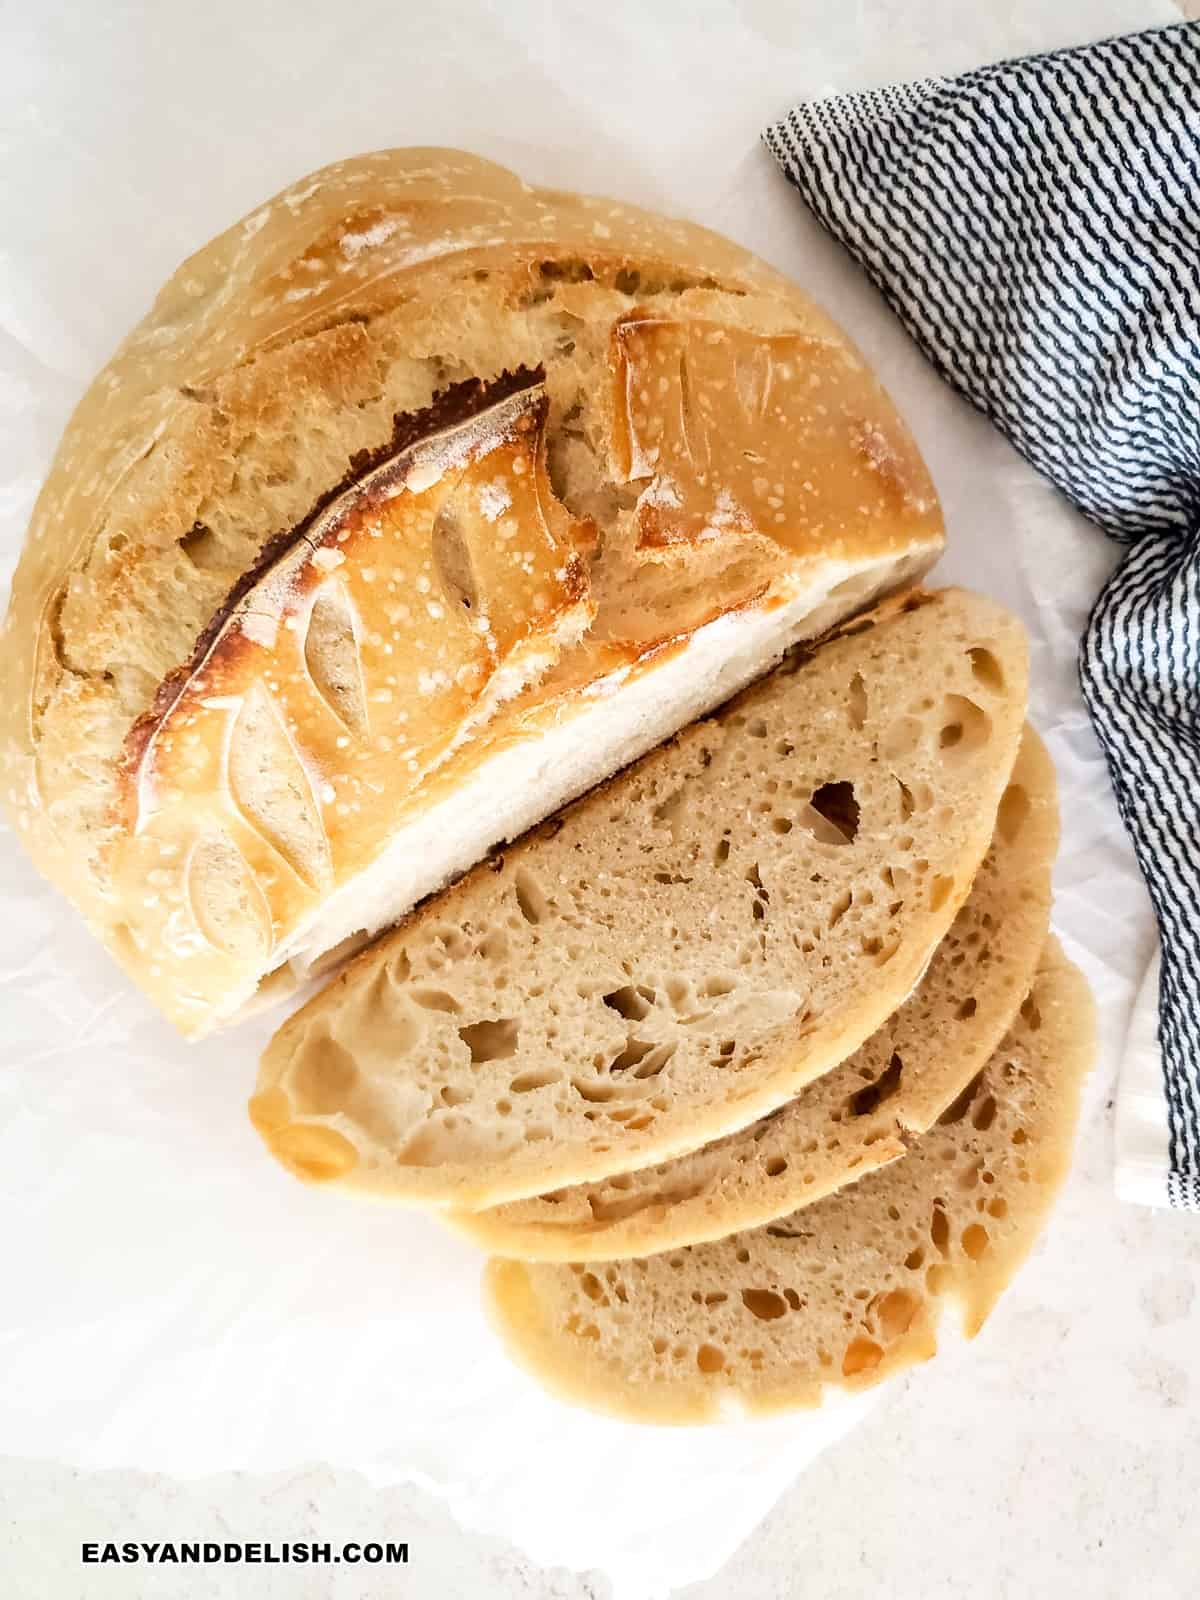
(732, 392)
(453, 406)
(359, 653)
(266, 376)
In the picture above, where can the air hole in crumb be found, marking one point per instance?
(597, 1093)
(985, 1113)
(894, 1313)
(199, 544)
(862, 1355)
(939, 1231)
(1031, 1014)
(968, 1009)
(493, 946)
(721, 852)
(840, 907)
(856, 703)
(435, 1000)
(781, 824)
(764, 1304)
(709, 1359)
(490, 1040)
(958, 1107)
(775, 1167)
(533, 905)
(651, 1065)
(914, 1260)
(870, 1098)
(987, 669)
(635, 1050)
(536, 1078)
(569, 270)
(965, 727)
(975, 1240)
(833, 813)
(627, 1002)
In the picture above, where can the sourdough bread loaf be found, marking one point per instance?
(843, 1293)
(681, 951)
(863, 1114)
(421, 501)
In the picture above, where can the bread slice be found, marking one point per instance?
(420, 503)
(855, 1119)
(842, 1294)
(683, 950)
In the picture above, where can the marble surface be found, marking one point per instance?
(1057, 1454)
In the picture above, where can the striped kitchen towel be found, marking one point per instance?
(1036, 226)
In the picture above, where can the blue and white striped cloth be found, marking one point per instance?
(1036, 226)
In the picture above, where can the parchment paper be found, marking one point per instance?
(170, 1299)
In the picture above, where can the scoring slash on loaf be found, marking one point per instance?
(856, 1118)
(420, 503)
(681, 951)
(843, 1293)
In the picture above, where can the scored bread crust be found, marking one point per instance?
(680, 952)
(271, 368)
(843, 1294)
(857, 1118)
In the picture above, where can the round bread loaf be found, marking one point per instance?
(421, 501)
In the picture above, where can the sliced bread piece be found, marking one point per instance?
(681, 951)
(844, 1293)
(856, 1118)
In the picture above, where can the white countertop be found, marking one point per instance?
(1056, 1455)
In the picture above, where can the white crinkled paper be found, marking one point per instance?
(172, 1300)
